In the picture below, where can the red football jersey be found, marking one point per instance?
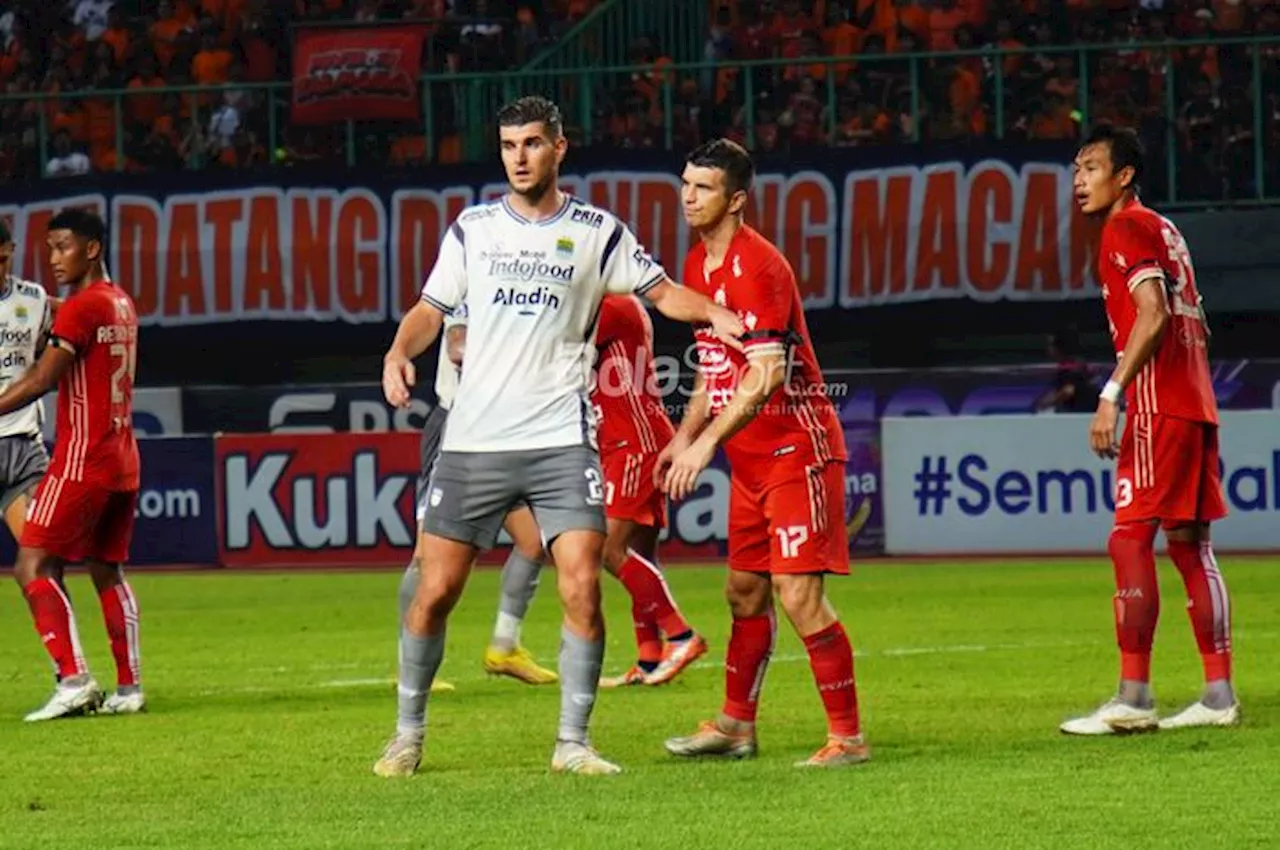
(1139, 244)
(629, 409)
(95, 442)
(757, 283)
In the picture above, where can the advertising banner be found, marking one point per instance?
(315, 499)
(361, 74)
(861, 228)
(1030, 484)
(346, 499)
(175, 519)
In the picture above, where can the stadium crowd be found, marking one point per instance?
(86, 46)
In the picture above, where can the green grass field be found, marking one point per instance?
(271, 696)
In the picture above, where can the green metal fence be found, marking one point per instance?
(607, 34)
(463, 104)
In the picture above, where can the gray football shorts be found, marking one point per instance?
(470, 493)
(432, 435)
(23, 462)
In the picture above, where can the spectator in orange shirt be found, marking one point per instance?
(212, 64)
(1053, 120)
(169, 34)
(840, 38)
(144, 109)
(118, 36)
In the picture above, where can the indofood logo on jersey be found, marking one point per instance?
(16, 336)
(528, 267)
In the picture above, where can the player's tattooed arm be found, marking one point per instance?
(1148, 329)
(418, 329)
(685, 305)
(38, 380)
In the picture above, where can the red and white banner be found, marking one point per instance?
(357, 250)
(364, 74)
(315, 499)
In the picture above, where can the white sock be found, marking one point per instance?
(506, 632)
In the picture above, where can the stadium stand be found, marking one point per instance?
(77, 54)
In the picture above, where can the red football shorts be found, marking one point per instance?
(788, 519)
(1168, 470)
(77, 521)
(629, 491)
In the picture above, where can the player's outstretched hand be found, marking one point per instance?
(682, 476)
(727, 326)
(1102, 430)
(665, 457)
(398, 376)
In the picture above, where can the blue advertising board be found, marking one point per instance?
(176, 518)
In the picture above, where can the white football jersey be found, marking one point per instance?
(532, 292)
(447, 374)
(25, 320)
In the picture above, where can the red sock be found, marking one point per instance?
(831, 657)
(56, 624)
(750, 645)
(650, 596)
(120, 610)
(648, 638)
(1207, 603)
(1137, 599)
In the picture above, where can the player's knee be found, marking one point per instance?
(579, 590)
(801, 597)
(614, 553)
(748, 594)
(1186, 532)
(1130, 539)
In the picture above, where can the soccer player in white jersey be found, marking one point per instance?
(504, 656)
(26, 314)
(532, 270)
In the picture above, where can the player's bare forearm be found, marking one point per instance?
(36, 381)
(680, 303)
(1148, 329)
(763, 377)
(697, 413)
(418, 329)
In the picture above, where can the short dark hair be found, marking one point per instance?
(5, 236)
(532, 109)
(731, 158)
(89, 226)
(1124, 144)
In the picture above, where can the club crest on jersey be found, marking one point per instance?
(20, 313)
(564, 247)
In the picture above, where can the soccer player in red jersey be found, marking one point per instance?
(1167, 470)
(83, 508)
(768, 407)
(634, 428)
